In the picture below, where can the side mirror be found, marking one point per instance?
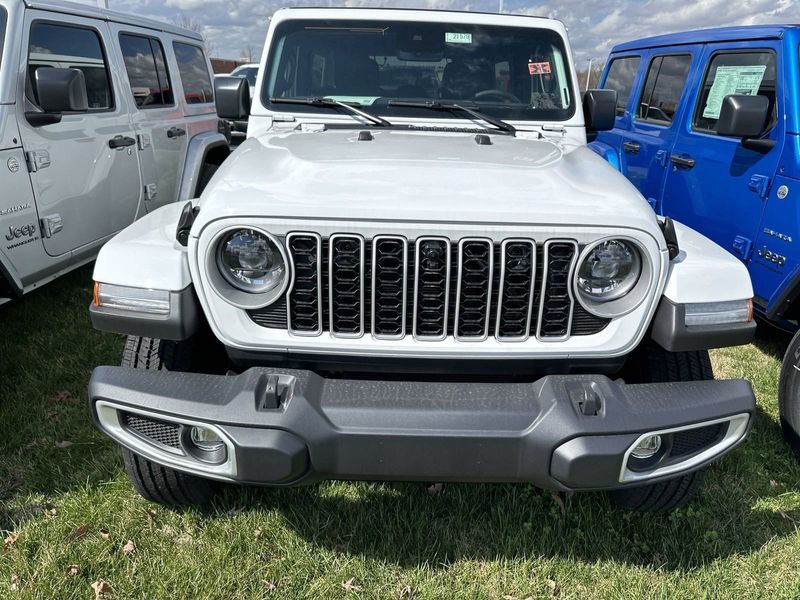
(61, 90)
(233, 98)
(600, 109)
(743, 116)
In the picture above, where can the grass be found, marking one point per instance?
(67, 510)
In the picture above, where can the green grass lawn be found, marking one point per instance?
(67, 510)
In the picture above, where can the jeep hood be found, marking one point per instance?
(423, 176)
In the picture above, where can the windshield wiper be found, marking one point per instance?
(454, 107)
(323, 101)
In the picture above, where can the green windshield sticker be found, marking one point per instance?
(728, 81)
(458, 38)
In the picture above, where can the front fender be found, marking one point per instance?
(607, 152)
(200, 147)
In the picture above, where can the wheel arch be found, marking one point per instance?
(209, 147)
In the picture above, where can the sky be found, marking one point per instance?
(233, 27)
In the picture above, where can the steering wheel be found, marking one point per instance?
(498, 94)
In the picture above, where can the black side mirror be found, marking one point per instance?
(745, 117)
(61, 90)
(232, 97)
(600, 109)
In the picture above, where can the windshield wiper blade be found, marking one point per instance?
(453, 107)
(324, 101)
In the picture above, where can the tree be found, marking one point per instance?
(185, 21)
(247, 54)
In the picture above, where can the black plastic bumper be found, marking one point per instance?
(560, 432)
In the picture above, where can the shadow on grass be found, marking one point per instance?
(48, 446)
(771, 340)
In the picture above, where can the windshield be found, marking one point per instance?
(3, 19)
(248, 73)
(517, 73)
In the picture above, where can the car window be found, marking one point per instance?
(743, 73)
(663, 87)
(71, 47)
(3, 19)
(508, 72)
(249, 73)
(147, 71)
(193, 68)
(620, 78)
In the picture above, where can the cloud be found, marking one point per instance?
(594, 25)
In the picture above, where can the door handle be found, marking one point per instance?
(631, 147)
(121, 141)
(682, 161)
(175, 132)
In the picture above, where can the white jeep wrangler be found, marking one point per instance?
(414, 269)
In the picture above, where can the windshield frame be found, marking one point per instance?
(3, 27)
(519, 113)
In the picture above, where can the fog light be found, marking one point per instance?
(647, 448)
(205, 439)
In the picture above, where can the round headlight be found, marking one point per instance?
(609, 271)
(251, 261)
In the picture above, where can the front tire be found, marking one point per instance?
(653, 364)
(153, 481)
(789, 395)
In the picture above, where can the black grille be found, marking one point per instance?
(432, 286)
(161, 432)
(557, 303)
(695, 440)
(369, 284)
(346, 282)
(389, 286)
(517, 279)
(304, 298)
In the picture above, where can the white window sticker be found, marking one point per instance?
(458, 38)
(728, 81)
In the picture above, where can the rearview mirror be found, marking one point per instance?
(600, 109)
(233, 98)
(743, 116)
(61, 90)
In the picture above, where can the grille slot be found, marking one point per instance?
(389, 285)
(346, 285)
(304, 312)
(555, 310)
(155, 430)
(695, 440)
(517, 283)
(430, 288)
(474, 289)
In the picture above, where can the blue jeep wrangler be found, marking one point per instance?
(708, 129)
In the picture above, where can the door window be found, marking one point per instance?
(663, 87)
(3, 19)
(70, 47)
(620, 77)
(192, 65)
(745, 73)
(147, 71)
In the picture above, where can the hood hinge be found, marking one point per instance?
(760, 185)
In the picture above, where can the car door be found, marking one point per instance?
(158, 120)
(714, 184)
(85, 172)
(653, 124)
(621, 75)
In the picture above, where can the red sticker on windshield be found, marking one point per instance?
(539, 68)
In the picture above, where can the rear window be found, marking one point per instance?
(193, 68)
(147, 71)
(663, 88)
(620, 78)
(741, 73)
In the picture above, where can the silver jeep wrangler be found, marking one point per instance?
(415, 269)
(104, 118)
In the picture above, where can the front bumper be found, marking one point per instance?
(285, 427)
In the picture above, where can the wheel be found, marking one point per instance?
(789, 395)
(653, 364)
(155, 482)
